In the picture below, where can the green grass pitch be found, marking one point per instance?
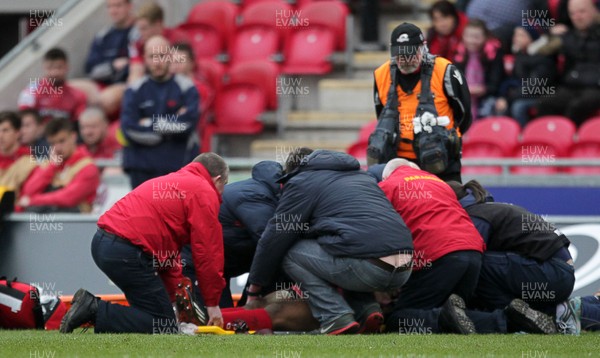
(37, 344)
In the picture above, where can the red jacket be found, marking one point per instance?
(163, 214)
(7, 160)
(53, 101)
(429, 207)
(81, 189)
(446, 46)
(107, 148)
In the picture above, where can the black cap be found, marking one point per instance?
(406, 39)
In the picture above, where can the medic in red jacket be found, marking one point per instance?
(438, 223)
(163, 214)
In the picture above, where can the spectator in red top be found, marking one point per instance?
(149, 23)
(95, 134)
(448, 248)
(138, 245)
(51, 94)
(446, 33)
(68, 182)
(15, 163)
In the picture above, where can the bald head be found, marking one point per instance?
(93, 126)
(157, 57)
(395, 164)
(583, 13)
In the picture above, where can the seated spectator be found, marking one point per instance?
(15, 161)
(246, 208)
(446, 33)
(579, 90)
(107, 64)
(533, 77)
(321, 240)
(95, 134)
(149, 22)
(184, 63)
(479, 57)
(448, 248)
(32, 134)
(52, 96)
(526, 257)
(68, 182)
(159, 119)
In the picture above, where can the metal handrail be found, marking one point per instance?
(31, 39)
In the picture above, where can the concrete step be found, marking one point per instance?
(316, 120)
(370, 60)
(346, 95)
(278, 149)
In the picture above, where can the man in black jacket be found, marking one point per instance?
(333, 226)
(246, 208)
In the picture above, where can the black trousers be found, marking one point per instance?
(576, 104)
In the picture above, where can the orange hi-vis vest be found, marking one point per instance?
(407, 103)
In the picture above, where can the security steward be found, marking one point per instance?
(431, 93)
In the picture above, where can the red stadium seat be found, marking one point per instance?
(358, 149)
(331, 14)
(259, 73)
(261, 33)
(211, 25)
(308, 51)
(238, 109)
(545, 139)
(492, 137)
(587, 146)
(211, 72)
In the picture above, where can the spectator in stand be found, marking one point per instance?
(159, 118)
(446, 33)
(500, 17)
(149, 22)
(52, 96)
(533, 76)
(96, 135)
(107, 64)
(15, 162)
(68, 182)
(479, 57)
(32, 133)
(577, 97)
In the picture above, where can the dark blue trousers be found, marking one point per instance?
(429, 287)
(590, 313)
(150, 309)
(506, 276)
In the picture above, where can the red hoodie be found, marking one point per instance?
(446, 46)
(81, 189)
(163, 214)
(436, 219)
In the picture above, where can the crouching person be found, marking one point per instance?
(333, 226)
(138, 243)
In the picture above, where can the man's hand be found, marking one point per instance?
(215, 318)
(24, 201)
(501, 105)
(120, 63)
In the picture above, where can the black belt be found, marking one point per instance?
(390, 268)
(115, 237)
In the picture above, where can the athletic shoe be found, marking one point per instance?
(189, 311)
(568, 316)
(370, 320)
(453, 318)
(527, 319)
(83, 310)
(344, 324)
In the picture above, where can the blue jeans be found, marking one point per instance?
(590, 313)
(519, 109)
(150, 309)
(506, 276)
(318, 273)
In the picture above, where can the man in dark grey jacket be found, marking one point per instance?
(333, 226)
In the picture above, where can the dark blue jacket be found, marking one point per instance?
(109, 44)
(168, 140)
(328, 198)
(247, 207)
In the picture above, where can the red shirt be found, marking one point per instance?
(53, 101)
(436, 219)
(7, 160)
(163, 214)
(107, 147)
(81, 189)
